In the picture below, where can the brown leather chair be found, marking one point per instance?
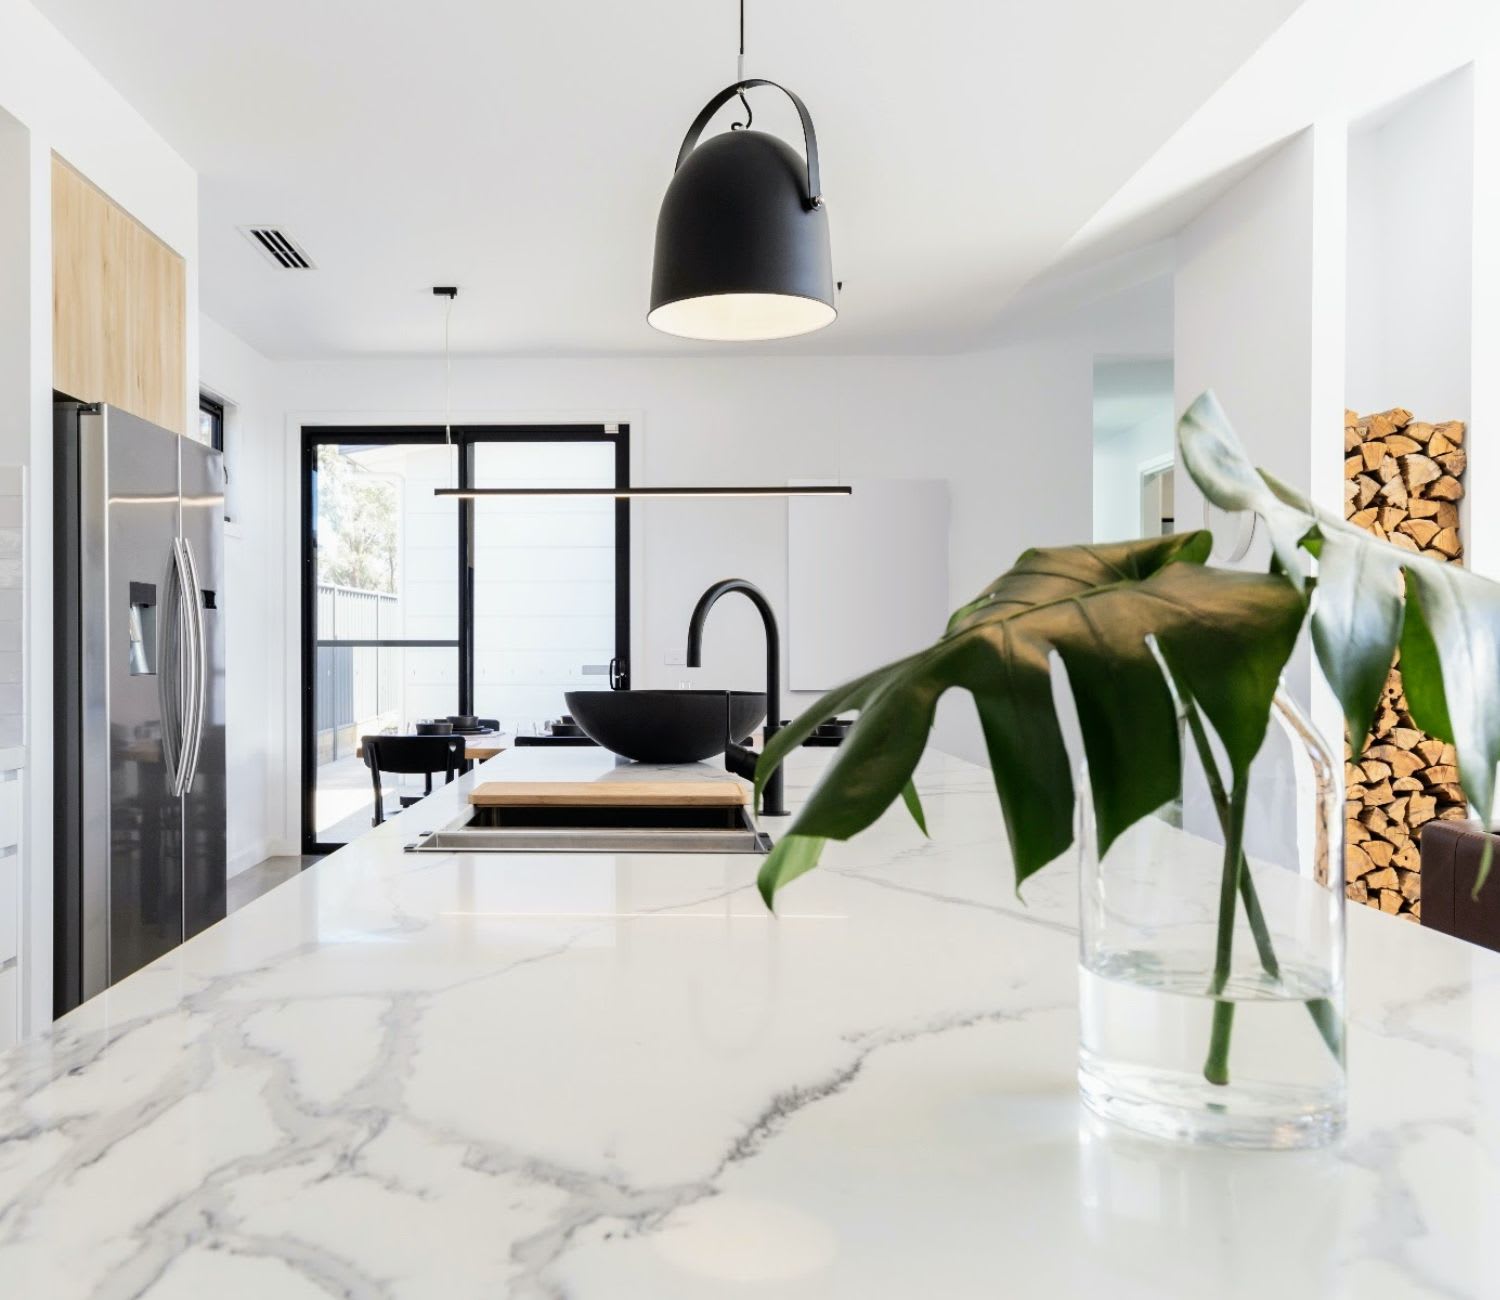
(1451, 854)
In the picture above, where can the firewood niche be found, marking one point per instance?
(1403, 480)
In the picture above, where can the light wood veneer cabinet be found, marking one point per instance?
(119, 306)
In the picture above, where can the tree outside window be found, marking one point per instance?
(359, 530)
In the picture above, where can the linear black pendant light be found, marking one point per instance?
(742, 239)
(646, 493)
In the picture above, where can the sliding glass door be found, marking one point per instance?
(418, 606)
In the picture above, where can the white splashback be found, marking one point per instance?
(867, 578)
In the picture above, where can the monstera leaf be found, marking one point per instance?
(1447, 627)
(1107, 611)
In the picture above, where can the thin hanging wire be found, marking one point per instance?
(448, 374)
(448, 386)
(740, 77)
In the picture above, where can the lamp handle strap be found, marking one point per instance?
(814, 196)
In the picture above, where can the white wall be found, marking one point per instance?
(1411, 217)
(1482, 527)
(53, 100)
(1260, 315)
(1011, 428)
(729, 420)
(246, 382)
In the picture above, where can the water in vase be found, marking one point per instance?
(1147, 1027)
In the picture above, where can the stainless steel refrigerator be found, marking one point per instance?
(140, 834)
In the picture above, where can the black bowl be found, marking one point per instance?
(434, 727)
(463, 721)
(665, 726)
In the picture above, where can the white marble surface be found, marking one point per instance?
(609, 1076)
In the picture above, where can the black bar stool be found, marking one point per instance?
(411, 756)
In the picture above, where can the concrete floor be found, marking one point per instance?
(254, 881)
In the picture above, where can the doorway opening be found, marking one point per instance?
(1134, 449)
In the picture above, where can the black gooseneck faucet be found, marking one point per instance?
(740, 759)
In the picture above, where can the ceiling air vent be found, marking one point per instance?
(277, 248)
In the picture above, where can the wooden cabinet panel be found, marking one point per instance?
(119, 306)
(79, 253)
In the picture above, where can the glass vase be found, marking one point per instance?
(1212, 981)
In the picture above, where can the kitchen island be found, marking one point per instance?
(591, 1075)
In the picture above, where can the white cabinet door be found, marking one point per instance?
(10, 808)
(10, 905)
(8, 1007)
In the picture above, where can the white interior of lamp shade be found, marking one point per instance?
(738, 317)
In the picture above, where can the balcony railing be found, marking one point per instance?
(358, 687)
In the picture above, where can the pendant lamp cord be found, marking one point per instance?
(447, 375)
(450, 292)
(740, 68)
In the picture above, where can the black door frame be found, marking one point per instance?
(465, 438)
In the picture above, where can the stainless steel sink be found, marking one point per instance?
(546, 829)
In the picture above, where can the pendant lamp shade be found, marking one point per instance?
(742, 249)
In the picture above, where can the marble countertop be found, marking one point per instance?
(404, 1075)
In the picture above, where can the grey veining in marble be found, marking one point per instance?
(545, 1076)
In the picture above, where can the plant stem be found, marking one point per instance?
(1253, 913)
(1216, 1067)
(1324, 1017)
(1257, 919)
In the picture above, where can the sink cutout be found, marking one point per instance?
(550, 828)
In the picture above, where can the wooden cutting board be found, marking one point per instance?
(725, 792)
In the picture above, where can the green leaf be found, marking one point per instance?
(851, 695)
(1356, 622)
(876, 758)
(1098, 608)
(793, 856)
(1217, 463)
(914, 805)
(1422, 673)
(1232, 676)
(1448, 626)
(1461, 615)
(1028, 756)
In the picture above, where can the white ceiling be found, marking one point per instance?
(1315, 68)
(519, 150)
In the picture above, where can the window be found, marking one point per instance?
(211, 422)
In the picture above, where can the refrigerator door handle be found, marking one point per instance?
(184, 671)
(169, 671)
(198, 658)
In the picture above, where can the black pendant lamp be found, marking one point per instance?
(742, 247)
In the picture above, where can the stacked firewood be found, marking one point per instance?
(1403, 481)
